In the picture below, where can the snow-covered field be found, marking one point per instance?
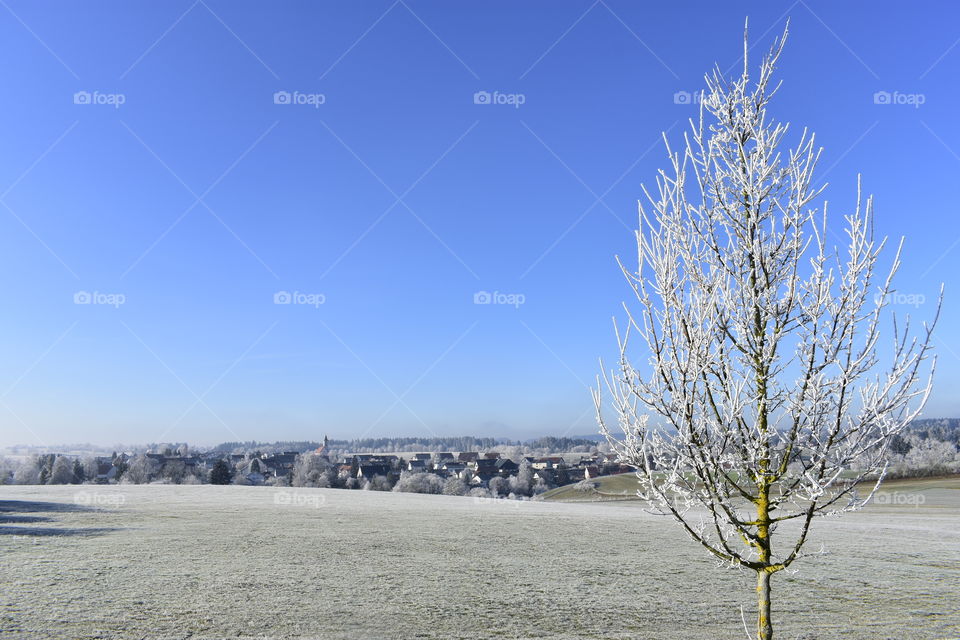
(249, 562)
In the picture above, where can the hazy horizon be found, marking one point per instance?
(207, 445)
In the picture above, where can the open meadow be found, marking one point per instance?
(198, 562)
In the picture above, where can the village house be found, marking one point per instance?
(575, 474)
(453, 468)
(106, 471)
(548, 476)
(506, 466)
(482, 479)
(368, 471)
(485, 466)
(550, 462)
(278, 464)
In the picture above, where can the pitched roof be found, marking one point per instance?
(370, 470)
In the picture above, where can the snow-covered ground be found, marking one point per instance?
(254, 562)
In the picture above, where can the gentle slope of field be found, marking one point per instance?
(204, 562)
(618, 487)
(624, 486)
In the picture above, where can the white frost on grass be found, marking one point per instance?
(235, 562)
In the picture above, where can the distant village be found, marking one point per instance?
(507, 472)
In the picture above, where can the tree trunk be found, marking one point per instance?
(764, 622)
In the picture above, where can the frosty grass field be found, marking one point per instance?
(254, 562)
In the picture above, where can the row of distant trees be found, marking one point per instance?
(523, 484)
(49, 469)
(60, 469)
(913, 455)
(309, 471)
(930, 447)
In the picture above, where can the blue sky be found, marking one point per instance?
(383, 190)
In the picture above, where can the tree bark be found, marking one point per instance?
(764, 621)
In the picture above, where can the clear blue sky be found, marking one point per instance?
(397, 199)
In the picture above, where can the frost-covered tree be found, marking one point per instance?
(79, 475)
(313, 471)
(175, 471)
(498, 486)
(7, 468)
(522, 483)
(761, 360)
(90, 468)
(141, 470)
(278, 481)
(419, 483)
(454, 486)
(62, 471)
(121, 466)
(378, 483)
(539, 485)
(926, 457)
(27, 473)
